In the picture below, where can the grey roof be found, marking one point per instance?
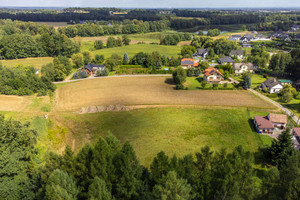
(297, 36)
(260, 36)
(246, 45)
(236, 36)
(250, 36)
(91, 66)
(202, 51)
(271, 82)
(236, 52)
(187, 62)
(249, 65)
(226, 59)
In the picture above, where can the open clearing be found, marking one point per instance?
(146, 91)
(13, 103)
(131, 50)
(34, 62)
(177, 130)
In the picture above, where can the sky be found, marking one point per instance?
(153, 3)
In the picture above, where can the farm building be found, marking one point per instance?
(272, 85)
(188, 63)
(240, 68)
(212, 75)
(92, 68)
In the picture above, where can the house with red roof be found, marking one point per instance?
(212, 75)
(188, 63)
(267, 124)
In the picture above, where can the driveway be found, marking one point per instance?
(289, 113)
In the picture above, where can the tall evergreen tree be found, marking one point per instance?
(160, 166)
(98, 190)
(125, 59)
(281, 149)
(172, 187)
(61, 186)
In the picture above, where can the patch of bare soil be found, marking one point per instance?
(110, 108)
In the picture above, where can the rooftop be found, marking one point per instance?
(277, 118)
(263, 122)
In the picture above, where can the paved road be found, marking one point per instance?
(115, 76)
(278, 105)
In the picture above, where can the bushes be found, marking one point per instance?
(104, 72)
(179, 77)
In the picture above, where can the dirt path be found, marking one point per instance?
(289, 113)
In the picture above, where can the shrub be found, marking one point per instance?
(104, 72)
(215, 86)
(225, 85)
(179, 87)
(179, 76)
(203, 84)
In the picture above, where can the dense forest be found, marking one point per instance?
(23, 81)
(110, 170)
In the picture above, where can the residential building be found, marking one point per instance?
(246, 45)
(297, 85)
(240, 68)
(260, 37)
(202, 53)
(285, 82)
(92, 68)
(272, 85)
(237, 53)
(267, 124)
(226, 60)
(236, 37)
(212, 75)
(296, 137)
(278, 120)
(263, 124)
(188, 63)
(247, 38)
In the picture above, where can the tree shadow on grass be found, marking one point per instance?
(169, 81)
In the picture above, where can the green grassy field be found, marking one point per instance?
(174, 130)
(131, 50)
(256, 79)
(34, 62)
(194, 83)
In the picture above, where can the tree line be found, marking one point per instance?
(111, 170)
(22, 46)
(128, 27)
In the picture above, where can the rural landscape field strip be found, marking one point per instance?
(145, 91)
(13, 103)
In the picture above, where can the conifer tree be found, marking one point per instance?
(98, 190)
(172, 187)
(61, 186)
(160, 166)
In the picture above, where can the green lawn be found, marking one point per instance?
(256, 79)
(131, 50)
(174, 130)
(194, 83)
(34, 62)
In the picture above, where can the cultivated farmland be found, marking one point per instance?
(146, 91)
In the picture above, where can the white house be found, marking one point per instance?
(212, 75)
(240, 68)
(272, 85)
(237, 53)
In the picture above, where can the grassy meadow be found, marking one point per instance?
(177, 131)
(131, 50)
(34, 62)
